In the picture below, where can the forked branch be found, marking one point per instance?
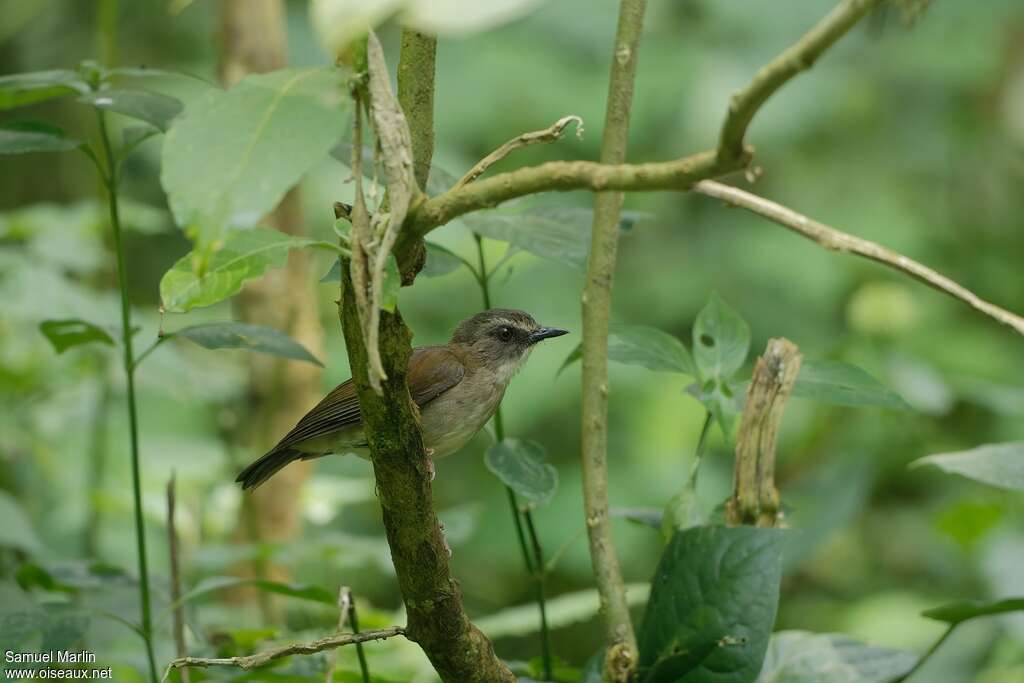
(552, 133)
(798, 57)
(837, 240)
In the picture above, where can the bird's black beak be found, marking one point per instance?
(546, 333)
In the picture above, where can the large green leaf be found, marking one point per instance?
(957, 612)
(712, 606)
(65, 334)
(16, 530)
(802, 657)
(17, 90)
(645, 346)
(230, 158)
(22, 137)
(842, 384)
(440, 261)
(245, 254)
(721, 340)
(522, 465)
(232, 335)
(558, 234)
(294, 590)
(1000, 464)
(143, 105)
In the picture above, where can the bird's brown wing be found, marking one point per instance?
(433, 370)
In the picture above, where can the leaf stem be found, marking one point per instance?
(129, 368)
(535, 563)
(920, 662)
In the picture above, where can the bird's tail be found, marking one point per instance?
(267, 466)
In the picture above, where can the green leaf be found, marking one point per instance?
(132, 137)
(522, 466)
(957, 612)
(440, 261)
(645, 346)
(712, 605)
(22, 137)
(294, 590)
(563, 610)
(1000, 464)
(722, 399)
(842, 384)
(17, 90)
(232, 335)
(802, 657)
(558, 234)
(332, 275)
(151, 107)
(245, 254)
(231, 157)
(65, 334)
(16, 530)
(721, 339)
(650, 517)
(683, 511)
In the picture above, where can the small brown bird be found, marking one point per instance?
(457, 388)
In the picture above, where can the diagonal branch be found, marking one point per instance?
(798, 57)
(261, 658)
(552, 133)
(836, 240)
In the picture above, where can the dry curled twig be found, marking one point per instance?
(261, 658)
(552, 133)
(837, 240)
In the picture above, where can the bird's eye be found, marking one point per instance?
(505, 333)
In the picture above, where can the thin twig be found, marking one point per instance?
(173, 551)
(836, 240)
(620, 657)
(552, 133)
(798, 57)
(261, 658)
(926, 656)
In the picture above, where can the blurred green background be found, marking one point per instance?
(909, 135)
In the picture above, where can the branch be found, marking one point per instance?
(798, 57)
(620, 657)
(436, 618)
(836, 240)
(552, 133)
(261, 658)
(755, 500)
(416, 67)
(563, 176)
(172, 551)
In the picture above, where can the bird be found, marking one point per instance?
(457, 387)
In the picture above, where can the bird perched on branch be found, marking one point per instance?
(457, 387)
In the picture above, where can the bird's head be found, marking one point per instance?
(502, 338)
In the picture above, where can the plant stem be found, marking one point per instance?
(535, 564)
(129, 369)
(354, 620)
(698, 452)
(924, 658)
(620, 659)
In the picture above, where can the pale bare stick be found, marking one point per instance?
(261, 658)
(837, 240)
(550, 134)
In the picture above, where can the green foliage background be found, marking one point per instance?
(913, 137)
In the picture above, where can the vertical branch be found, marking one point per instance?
(174, 553)
(416, 67)
(621, 652)
(253, 40)
(755, 500)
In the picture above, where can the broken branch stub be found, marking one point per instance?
(755, 500)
